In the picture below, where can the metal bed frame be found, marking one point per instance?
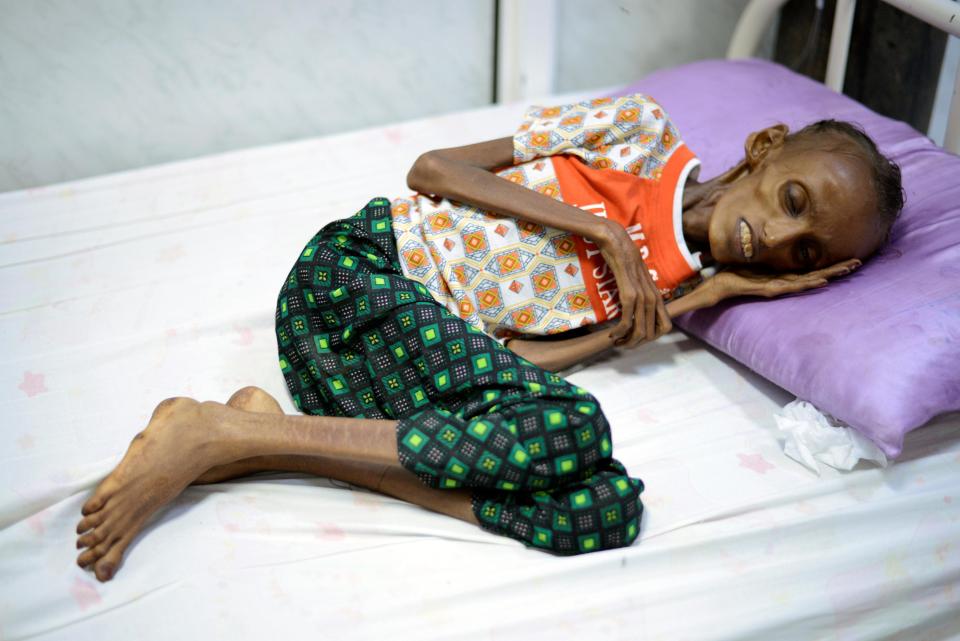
(942, 14)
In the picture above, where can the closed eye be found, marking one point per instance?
(793, 206)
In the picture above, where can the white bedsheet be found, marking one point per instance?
(123, 290)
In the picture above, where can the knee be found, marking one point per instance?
(588, 426)
(574, 438)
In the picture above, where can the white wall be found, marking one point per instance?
(611, 42)
(95, 86)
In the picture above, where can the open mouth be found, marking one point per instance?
(745, 234)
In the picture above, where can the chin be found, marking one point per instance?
(721, 252)
(723, 247)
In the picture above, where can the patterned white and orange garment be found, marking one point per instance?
(620, 158)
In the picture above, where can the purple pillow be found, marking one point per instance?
(880, 349)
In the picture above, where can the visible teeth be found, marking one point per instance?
(746, 240)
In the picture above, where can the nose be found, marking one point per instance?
(780, 233)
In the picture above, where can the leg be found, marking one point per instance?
(185, 438)
(255, 399)
(359, 338)
(390, 479)
(567, 520)
(470, 413)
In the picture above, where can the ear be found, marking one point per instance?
(761, 143)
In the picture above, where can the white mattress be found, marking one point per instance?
(123, 290)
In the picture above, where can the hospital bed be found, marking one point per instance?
(125, 289)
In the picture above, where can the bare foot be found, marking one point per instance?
(174, 449)
(249, 399)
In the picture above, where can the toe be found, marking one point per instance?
(90, 539)
(103, 571)
(95, 503)
(90, 522)
(92, 554)
(106, 567)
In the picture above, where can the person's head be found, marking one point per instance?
(806, 200)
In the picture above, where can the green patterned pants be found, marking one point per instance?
(359, 339)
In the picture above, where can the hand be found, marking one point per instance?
(643, 315)
(727, 284)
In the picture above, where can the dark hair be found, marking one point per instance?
(886, 173)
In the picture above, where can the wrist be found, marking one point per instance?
(713, 291)
(706, 294)
(605, 232)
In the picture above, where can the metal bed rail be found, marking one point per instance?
(942, 14)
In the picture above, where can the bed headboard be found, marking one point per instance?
(942, 14)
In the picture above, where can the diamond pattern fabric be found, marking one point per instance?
(510, 277)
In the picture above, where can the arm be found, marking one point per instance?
(465, 174)
(555, 355)
(560, 354)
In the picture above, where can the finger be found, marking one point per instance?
(639, 325)
(624, 328)
(824, 274)
(834, 271)
(651, 312)
(664, 324)
(649, 306)
(838, 269)
(813, 284)
(781, 287)
(639, 317)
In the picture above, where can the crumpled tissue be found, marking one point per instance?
(815, 436)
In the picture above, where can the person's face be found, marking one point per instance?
(799, 207)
